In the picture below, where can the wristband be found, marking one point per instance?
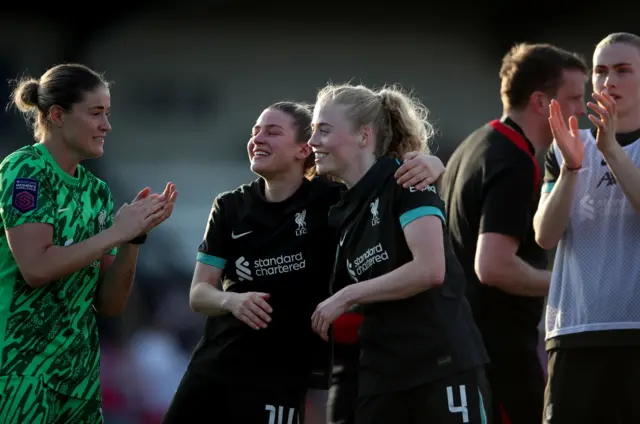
(139, 240)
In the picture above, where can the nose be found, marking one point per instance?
(259, 138)
(611, 81)
(581, 109)
(105, 125)
(313, 141)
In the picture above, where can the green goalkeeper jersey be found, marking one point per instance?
(51, 332)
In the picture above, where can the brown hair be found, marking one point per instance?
(302, 116)
(398, 119)
(62, 85)
(528, 68)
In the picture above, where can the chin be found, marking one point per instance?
(623, 108)
(261, 170)
(95, 153)
(323, 169)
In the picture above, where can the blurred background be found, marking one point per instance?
(191, 77)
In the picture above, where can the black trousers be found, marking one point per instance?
(201, 400)
(593, 385)
(517, 387)
(458, 399)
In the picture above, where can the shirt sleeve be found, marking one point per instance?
(216, 237)
(414, 204)
(551, 170)
(509, 198)
(26, 195)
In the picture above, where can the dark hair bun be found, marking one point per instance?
(26, 95)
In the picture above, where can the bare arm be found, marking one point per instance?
(552, 217)
(496, 264)
(204, 296)
(251, 307)
(424, 271)
(41, 262)
(114, 288)
(508, 203)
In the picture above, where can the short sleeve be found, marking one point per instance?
(551, 170)
(414, 204)
(509, 198)
(26, 195)
(212, 249)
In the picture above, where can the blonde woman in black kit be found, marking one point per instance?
(421, 357)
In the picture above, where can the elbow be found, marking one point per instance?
(35, 277)
(193, 299)
(488, 271)
(193, 303)
(542, 237)
(432, 275)
(436, 277)
(545, 242)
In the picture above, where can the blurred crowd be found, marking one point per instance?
(146, 351)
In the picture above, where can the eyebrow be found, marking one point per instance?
(320, 124)
(98, 107)
(615, 65)
(268, 126)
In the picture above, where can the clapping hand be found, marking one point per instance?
(170, 194)
(568, 140)
(606, 120)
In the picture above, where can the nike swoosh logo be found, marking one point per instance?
(237, 236)
(344, 236)
(63, 210)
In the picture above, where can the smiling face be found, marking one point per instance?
(273, 147)
(85, 126)
(335, 143)
(616, 69)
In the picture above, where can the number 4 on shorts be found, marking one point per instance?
(462, 408)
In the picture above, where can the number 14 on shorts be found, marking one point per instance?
(458, 409)
(279, 413)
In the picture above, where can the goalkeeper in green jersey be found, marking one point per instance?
(64, 254)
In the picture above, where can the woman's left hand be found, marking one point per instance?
(419, 170)
(170, 194)
(327, 312)
(605, 122)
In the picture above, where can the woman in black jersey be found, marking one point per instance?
(421, 357)
(262, 268)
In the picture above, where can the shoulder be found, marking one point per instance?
(477, 139)
(25, 157)
(321, 181)
(94, 183)
(507, 149)
(235, 199)
(488, 144)
(325, 189)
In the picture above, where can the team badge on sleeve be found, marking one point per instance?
(25, 194)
